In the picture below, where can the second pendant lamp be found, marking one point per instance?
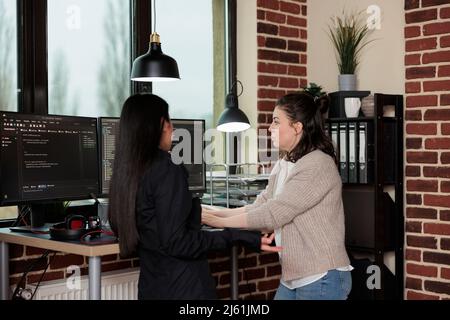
(155, 65)
(232, 118)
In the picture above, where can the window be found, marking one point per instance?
(196, 41)
(89, 56)
(8, 70)
(8, 55)
(79, 52)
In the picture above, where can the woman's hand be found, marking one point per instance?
(266, 241)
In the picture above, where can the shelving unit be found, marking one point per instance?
(374, 219)
(234, 190)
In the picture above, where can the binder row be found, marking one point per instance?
(354, 143)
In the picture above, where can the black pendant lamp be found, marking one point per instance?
(155, 65)
(233, 119)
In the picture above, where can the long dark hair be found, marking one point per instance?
(138, 143)
(305, 108)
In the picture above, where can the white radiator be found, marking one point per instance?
(116, 285)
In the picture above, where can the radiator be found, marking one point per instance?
(116, 285)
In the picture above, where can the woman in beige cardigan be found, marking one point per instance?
(302, 204)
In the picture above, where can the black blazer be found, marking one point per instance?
(172, 247)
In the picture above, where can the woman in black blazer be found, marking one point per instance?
(152, 211)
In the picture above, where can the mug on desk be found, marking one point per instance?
(352, 107)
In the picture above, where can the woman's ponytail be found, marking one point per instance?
(322, 103)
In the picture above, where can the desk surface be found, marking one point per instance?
(43, 241)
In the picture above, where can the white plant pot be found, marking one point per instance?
(347, 82)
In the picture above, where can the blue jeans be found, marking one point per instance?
(336, 285)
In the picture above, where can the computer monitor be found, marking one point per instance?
(188, 144)
(47, 158)
(195, 165)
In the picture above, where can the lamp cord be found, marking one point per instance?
(154, 15)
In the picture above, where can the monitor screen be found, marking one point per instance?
(47, 158)
(191, 153)
(187, 147)
(109, 130)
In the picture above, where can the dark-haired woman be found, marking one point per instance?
(302, 204)
(152, 211)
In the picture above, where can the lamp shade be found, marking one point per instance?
(233, 119)
(155, 65)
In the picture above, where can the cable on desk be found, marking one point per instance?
(30, 268)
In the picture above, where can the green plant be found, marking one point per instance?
(315, 90)
(349, 36)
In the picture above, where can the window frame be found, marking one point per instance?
(33, 45)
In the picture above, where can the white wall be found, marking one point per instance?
(247, 69)
(382, 64)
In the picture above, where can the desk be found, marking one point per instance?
(94, 252)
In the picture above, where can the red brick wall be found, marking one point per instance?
(282, 45)
(22, 257)
(258, 273)
(427, 61)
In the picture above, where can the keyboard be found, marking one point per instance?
(45, 229)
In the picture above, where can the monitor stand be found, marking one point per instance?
(37, 220)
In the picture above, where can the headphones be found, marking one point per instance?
(74, 228)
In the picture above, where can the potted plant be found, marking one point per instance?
(314, 89)
(317, 92)
(349, 36)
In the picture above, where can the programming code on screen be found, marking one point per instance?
(187, 144)
(48, 157)
(109, 131)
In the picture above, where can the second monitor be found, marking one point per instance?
(193, 130)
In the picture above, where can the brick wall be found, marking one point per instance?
(282, 45)
(22, 257)
(258, 273)
(427, 61)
